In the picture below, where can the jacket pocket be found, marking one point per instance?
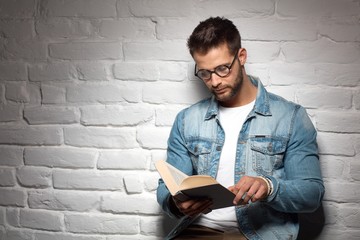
(267, 153)
(199, 151)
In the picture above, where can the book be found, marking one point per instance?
(184, 187)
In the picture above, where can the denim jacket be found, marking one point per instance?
(277, 141)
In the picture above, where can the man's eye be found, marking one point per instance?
(222, 68)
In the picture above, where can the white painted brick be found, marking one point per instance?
(31, 135)
(94, 93)
(173, 71)
(53, 94)
(164, 50)
(12, 71)
(17, 29)
(342, 192)
(332, 166)
(151, 182)
(76, 8)
(7, 177)
(261, 52)
(338, 121)
(2, 93)
(325, 98)
(171, 8)
(53, 28)
(143, 204)
(336, 144)
(25, 49)
(93, 71)
(147, 226)
(10, 112)
(57, 71)
(51, 115)
(12, 197)
(338, 232)
(340, 30)
(355, 169)
(34, 177)
(18, 92)
(286, 92)
(60, 157)
(101, 223)
(165, 115)
(11, 156)
(174, 93)
(133, 183)
(17, 9)
(176, 28)
(321, 51)
(122, 159)
(292, 73)
(318, 8)
(88, 180)
(64, 236)
(275, 29)
(23, 92)
(235, 8)
(86, 51)
(18, 234)
(13, 216)
(356, 99)
(128, 28)
(43, 220)
(2, 216)
(116, 115)
(259, 70)
(338, 75)
(146, 139)
(101, 137)
(351, 215)
(64, 200)
(146, 71)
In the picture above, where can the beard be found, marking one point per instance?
(225, 93)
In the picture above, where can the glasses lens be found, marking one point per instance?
(222, 70)
(203, 74)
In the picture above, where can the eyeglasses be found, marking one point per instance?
(221, 70)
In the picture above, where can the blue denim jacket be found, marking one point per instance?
(277, 141)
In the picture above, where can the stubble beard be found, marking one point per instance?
(234, 89)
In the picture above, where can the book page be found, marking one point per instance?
(170, 175)
(178, 175)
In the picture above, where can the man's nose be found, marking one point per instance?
(215, 80)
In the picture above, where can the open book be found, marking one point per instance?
(184, 187)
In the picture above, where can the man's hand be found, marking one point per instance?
(193, 207)
(249, 188)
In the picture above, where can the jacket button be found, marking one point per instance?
(218, 148)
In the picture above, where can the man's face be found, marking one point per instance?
(225, 89)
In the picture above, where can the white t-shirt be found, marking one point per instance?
(231, 120)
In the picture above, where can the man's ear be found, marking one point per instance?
(242, 55)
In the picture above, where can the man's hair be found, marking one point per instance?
(212, 33)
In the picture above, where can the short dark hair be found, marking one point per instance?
(213, 32)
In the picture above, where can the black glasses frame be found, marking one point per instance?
(211, 72)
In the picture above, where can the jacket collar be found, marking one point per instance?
(261, 107)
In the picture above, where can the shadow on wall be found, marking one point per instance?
(311, 224)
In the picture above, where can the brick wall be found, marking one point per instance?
(89, 90)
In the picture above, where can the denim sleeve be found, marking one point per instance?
(302, 189)
(177, 155)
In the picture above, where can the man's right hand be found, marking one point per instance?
(193, 207)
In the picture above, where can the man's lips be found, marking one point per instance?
(220, 91)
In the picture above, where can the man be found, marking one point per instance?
(260, 146)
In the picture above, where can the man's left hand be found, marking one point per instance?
(249, 188)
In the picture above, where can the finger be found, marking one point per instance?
(252, 191)
(260, 194)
